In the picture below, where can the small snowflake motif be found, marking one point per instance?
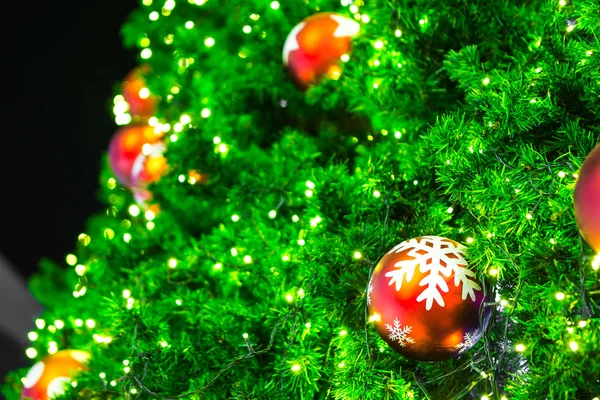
(399, 333)
(435, 256)
(469, 340)
(369, 291)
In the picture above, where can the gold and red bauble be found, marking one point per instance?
(424, 300)
(142, 103)
(587, 199)
(48, 377)
(314, 47)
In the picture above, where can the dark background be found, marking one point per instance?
(64, 60)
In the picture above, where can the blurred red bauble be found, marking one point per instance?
(141, 102)
(47, 378)
(148, 167)
(315, 46)
(425, 302)
(587, 199)
(135, 155)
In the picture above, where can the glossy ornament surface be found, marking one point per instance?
(48, 377)
(424, 300)
(315, 46)
(587, 199)
(128, 151)
(141, 102)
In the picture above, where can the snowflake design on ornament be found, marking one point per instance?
(399, 333)
(468, 341)
(437, 256)
(369, 290)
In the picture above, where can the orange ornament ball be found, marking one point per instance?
(48, 377)
(315, 46)
(587, 199)
(130, 151)
(141, 102)
(424, 300)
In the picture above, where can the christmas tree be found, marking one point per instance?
(241, 259)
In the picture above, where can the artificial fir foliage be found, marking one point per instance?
(465, 120)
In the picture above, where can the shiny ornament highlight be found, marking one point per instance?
(314, 47)
(587, 199)
(141, 102)
(47, 378)
(424, 300)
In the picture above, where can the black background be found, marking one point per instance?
(64, 59)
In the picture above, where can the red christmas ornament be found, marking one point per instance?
(47, 378)
(424, 300)
(314, 47)
(587, 199)
(141, 102)
(135, 155)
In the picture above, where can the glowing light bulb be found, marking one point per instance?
(520, 348)
(486, 80)
(209, 42)
(295, 367)
(357, 255)
(560, 296)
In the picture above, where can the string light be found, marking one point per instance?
(486, 81)
(357, 255)
(289, 298)
(295, 367)
(573, 345)
(275, 5)
(189, 25)
(217, 266)
(520, 348)
(560, 296)
(209, 42)
(59, 324)
(31, 352)
(33, 336)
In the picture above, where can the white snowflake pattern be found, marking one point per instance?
(369, 290)
(399, 333)
(469, 340)
(437, 256)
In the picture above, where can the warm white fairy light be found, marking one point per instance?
(90, 323)
(209, 42)
(172, 262)
(205, 113)
(375, 317)
(378, 44)
(520, 347)
(560, 296)
(126, 294)
(295, 218)
(345, 58)
(285, 257)
(275, 5)
(153, 16)
(79, 322)
(301, 242)
(308, 193)
(217, 266)
(486, 81)
(528, 216)
(80, 269)
(146, 54)
(357, 255)
(377, 193)
(343, 332)
(289, 298)
(247, 259)
(470, 240)
(573, 345)
(235, 218)
(31, 352)
(296, 367)
(126, 237)
(189, 24)
(33, 336)
(272, 214)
